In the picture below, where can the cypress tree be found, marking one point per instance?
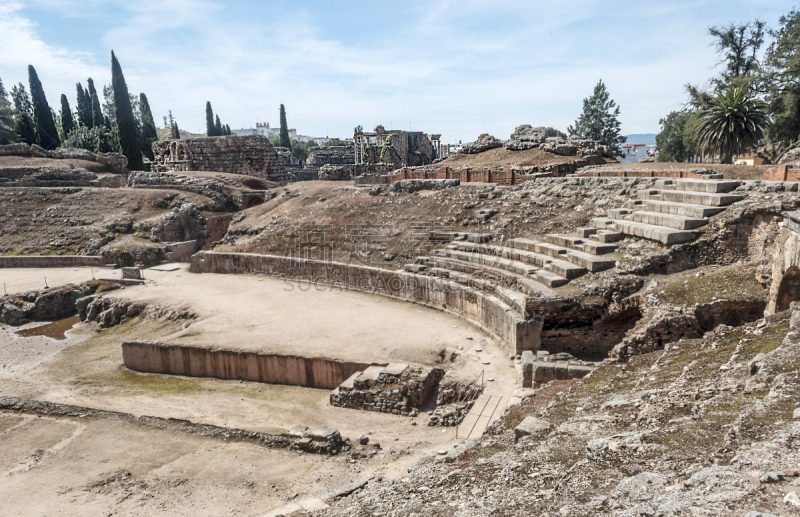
(128, 137)
(285, 142)
(91, 89)
(84, 107)
(228, 130)
(6, 117)
(46, 132)
(176, 132)
(149, 131)
(218, 128)
(23, 115)
(211, 130)
(67, 124)
(97, 113)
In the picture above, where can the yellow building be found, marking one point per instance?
(749, 160)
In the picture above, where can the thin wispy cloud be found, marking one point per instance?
(459, 68)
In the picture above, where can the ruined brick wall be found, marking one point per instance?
(251, 155)
(782, 173)
(334, 155)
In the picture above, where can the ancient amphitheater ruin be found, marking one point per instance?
(522, 328)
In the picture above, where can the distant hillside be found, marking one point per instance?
(646, 138)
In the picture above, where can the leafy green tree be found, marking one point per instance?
(211, 129)
(599, 120)
(335, 142)
(149, 131)
(284, 133)
(669, 140)
(6, 117)
(126, 124)
(738, 46)
(84, 107)
(83, 137)
(781, 79)
(24, 127)
(67, 124)
(732, 124)
(46, 132)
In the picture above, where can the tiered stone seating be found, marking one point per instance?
(670, 213)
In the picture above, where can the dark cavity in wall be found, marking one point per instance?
(595, 338)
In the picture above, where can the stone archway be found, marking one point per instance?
(254, 202)
(789, 290)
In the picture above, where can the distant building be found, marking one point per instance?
(633, 153)
(749, 160)
(166, 134)
(264, 129)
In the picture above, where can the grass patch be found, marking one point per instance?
(736, 282)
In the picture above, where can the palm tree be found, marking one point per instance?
(733, 122)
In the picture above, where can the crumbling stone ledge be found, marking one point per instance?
(330, 442)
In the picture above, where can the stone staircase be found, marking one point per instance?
(671, 212)
(523, 272)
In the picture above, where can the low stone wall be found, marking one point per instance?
(481, 309)
(536, 373)
(654, 173)
(234, 365)
(52, 261)
(181, 251)
(501, 177)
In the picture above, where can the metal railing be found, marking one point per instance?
(471, 395)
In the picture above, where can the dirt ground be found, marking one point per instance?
(31, 161)
(502, 157)
(54, 221)
(77, 467)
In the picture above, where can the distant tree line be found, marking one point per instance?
(123, 123)
(753, 103)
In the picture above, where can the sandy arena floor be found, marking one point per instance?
(238, 312)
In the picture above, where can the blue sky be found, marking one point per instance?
(459, 68)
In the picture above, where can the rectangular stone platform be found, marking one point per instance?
(700, 198)
(678, 222)
(662, 234)
(682, 209)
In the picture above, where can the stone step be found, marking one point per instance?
(550, 279)
(714, 187)
(558, 266)
(515, 267)
(586, 232)
(685, 210)
(634, 204)
(618, 213)
(699, 198)
(607, 236)
(525, 285)
(579, 258)
(580, 244)
(678, 222)
(662, 234)
(648, 194)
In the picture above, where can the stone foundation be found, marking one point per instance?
(395, 388)
(485, 311)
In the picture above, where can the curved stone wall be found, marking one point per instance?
(481, 309)
(232, 365)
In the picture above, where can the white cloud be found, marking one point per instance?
(459, 68)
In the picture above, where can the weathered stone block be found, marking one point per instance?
(532, 426)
